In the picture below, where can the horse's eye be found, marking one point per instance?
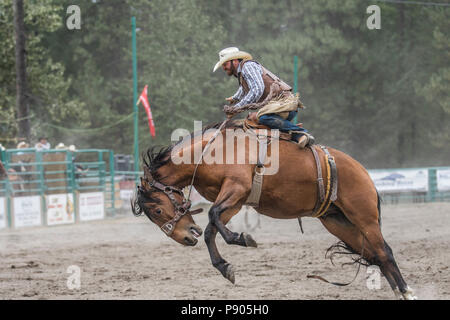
(158, 211)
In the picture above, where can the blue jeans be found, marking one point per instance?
(274, 121)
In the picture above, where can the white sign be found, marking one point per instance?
(27, 211)
(3, 222)
(443, 180)
(400, 180)
(60, 209)
(92, 206)
(126, 194)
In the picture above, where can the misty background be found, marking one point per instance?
(382, 96)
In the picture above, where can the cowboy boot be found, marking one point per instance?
(305, 140)
(311, 140)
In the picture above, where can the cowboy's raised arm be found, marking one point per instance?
(238, 95)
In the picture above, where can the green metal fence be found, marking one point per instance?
(60, 171)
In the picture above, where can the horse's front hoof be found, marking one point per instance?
(249, 241)
(229, 272)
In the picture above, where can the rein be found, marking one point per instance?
(203, 153)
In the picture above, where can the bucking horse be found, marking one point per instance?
(317, 181)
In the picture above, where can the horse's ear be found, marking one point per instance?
(145, 184)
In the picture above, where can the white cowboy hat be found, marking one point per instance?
(231, 53)
(72, 148)
(22, 145)
(61, 146)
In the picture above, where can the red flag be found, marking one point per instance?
(144, 99)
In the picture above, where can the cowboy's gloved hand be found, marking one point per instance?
(230, 100)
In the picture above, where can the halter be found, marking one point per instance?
(181, 209)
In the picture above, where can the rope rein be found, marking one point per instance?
(203, 153)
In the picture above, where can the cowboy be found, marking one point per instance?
(261, 89)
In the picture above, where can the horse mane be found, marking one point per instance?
(156, 157)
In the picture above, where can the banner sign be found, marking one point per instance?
(92, 206)
(126, 194)
(27, 211)
(401, 180)
(443, 180)
(60, 209)
(3, 218)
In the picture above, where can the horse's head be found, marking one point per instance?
(166, 207)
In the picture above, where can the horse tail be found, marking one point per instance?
(379, 208)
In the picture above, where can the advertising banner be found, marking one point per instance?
(126, 194)
(401, 180)
(3, 218)
(92, 206)
(443, 180)
(27, 211)
(60, 209)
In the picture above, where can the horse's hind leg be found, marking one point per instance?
(364, 216)
(337, 224)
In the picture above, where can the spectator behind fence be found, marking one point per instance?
(22, 145)
(61, 146)
(78, 168)
(43, 144)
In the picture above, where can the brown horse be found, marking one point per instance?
(354, 217)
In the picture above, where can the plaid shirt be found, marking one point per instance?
(252, 73)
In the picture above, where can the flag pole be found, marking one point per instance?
(135, 108)
(295, 81)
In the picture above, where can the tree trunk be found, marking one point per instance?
(21, 75)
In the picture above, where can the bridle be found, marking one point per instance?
(181, 209)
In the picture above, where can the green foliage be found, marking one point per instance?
(379, 95)
(47, 87)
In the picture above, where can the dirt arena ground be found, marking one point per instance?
(129, 258)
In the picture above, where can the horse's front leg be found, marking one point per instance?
(232, 196)
(219, 216)
(228, 203)
(216, 259)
